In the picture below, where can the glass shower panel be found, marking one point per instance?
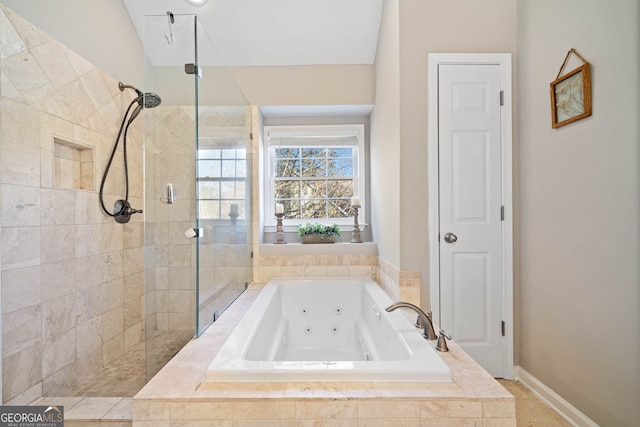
(223, 186)
(170, 150)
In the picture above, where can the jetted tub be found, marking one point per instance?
(326, 330)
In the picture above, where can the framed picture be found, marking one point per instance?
(571, 97)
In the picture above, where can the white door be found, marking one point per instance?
(470, 210)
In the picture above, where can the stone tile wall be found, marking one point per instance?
(71, 276)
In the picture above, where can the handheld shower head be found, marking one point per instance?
(144, 100)
(151, 100)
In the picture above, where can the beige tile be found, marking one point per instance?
(121, 411)
(150, 410)
(21, 371)
(329, 390)
(112, 348)
(58, 315)
(67, 402)
(27, 76)
(452, 422)
(20, 164)
(56, 206)
(378, 408)
(54, 63)
(502, 422)
(20, 206)
(451, 409)
(59, 352)
(58, 279)
(499, 409)
(389, 422)
(222, 390)
(28, 32)
(21, 288)
(96, 87)
(20, 247)
(112, 323)
(394, 390)
(92, 408)
(12, 43)
(57, 242)
(326, 409)
(21, 329)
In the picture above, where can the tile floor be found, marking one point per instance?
(531, 411)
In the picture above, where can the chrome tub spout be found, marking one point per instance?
(425, 319)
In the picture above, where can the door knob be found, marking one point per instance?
(450, 238)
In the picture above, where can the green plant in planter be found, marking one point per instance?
(326, 233)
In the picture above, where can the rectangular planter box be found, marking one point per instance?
(316, 238)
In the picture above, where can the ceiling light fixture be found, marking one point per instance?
(197, 2)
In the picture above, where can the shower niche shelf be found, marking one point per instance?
(73, 165)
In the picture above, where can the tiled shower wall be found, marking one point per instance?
(71, 276)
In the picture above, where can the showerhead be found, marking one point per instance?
(147, 100)
(151, 100)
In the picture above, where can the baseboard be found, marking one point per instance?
(553, 399)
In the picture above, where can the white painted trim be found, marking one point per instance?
(504, 61)
(552, 399)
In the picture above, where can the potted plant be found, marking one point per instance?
(318, 233)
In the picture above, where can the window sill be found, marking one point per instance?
(311, 249)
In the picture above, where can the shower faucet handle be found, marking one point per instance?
(122, 211)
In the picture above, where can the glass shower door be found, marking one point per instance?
(198, 235)
(169, 139)
(223, 186)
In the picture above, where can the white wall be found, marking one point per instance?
(385, 138)
(98, 30)
(580, 209)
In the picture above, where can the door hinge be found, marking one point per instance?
(501, 97)
(504, 327)
(501, 213)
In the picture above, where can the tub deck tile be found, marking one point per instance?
(329, 390)
(178, 394)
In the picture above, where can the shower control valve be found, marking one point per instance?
(122, 211)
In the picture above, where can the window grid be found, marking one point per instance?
(328, 191)
(222, 174)
(314, 181)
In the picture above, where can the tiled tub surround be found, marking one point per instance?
(178, 395)
(337, 260)
(71, 276)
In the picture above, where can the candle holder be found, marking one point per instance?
(234, 217)
(279, 232)
(355, 234)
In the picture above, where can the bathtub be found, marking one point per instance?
(325, 330)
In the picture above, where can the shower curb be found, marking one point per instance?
(92, 411)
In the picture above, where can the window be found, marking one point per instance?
(222, 176)
(313, 171)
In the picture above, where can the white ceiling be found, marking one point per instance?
(260, 32)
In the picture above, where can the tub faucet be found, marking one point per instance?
(425, 319)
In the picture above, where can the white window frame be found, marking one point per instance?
(271, 139)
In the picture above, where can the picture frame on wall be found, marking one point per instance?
(571, 97)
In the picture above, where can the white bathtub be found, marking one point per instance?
(326, 330)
